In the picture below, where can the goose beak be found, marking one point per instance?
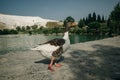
(73, 24)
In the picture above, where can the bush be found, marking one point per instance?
(7, 31)
(94, 27)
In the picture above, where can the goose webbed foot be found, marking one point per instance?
(51, 64)
(50, 68)
(58, 65)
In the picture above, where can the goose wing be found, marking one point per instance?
(55, 42)
(50, 46)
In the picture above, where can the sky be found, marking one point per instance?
(57, 9)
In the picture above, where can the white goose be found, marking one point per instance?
(54, 48)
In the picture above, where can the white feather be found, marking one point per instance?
(67, 41)
(46, 49)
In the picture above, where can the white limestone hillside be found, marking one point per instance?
(12, 21)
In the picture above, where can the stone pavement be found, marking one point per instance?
(94, 60)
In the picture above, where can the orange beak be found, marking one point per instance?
(73, 24)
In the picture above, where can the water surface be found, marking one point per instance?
(24, 42)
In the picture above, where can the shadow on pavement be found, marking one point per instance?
(101, 64)
(47, 61)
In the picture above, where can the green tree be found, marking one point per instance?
(23, 28)
(115, 18)
(98, 18)
(83, 20)
(94, 16)
(68, 19)
(86, 21)
(45, 31)
(95, 27)
(103, 19)
(89, 18)
(28, 27)
(111, 27)
(18, 28)
(55, 30)
(115, 14)
(5, 31)
(34, 27)
(13, 31)
(81, 23)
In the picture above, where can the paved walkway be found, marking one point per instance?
(94, 60)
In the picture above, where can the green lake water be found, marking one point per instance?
(11, 43)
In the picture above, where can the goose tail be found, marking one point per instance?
(35, 49)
